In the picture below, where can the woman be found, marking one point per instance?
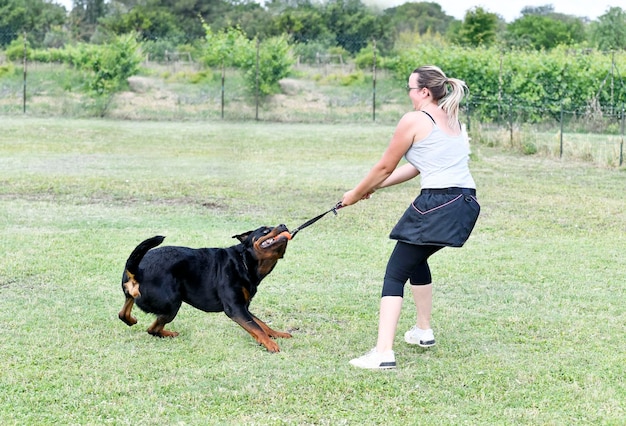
(434, 144)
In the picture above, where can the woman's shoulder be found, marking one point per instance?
(417, 117)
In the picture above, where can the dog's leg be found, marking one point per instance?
(257, 332)
(270, 332)
(125, 315)
(132, 286)
(158, 326)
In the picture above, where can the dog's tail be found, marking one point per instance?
(132, 264)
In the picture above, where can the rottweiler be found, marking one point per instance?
(225, 280)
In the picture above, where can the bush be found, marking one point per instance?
(532, 85)
(364, 60)
(274, 63)
(15, 50)
(7, 69)
(106, 67)
(231, 47)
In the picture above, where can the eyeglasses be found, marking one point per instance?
(408, 88)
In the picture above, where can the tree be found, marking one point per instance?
(36, 17)
(421, 18)
(609, 32)
(231, 47)
(84, 17)
(149, 24)
(353, 23)
(302, 25)
(108, 67)
(540, 28)
(478, 28)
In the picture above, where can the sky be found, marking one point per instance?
(508, 9)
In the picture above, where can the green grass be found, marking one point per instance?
(529, 315)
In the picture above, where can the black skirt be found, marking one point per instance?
(440, 217)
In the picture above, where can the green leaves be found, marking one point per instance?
(263, 63)
(537, 82)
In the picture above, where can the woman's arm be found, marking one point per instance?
(399, 175)
(384, 168)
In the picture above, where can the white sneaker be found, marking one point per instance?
(419, 337)
(375, 360)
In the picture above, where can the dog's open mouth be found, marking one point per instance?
(280, 237)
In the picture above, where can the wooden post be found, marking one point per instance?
(561, 141)
(256, 116)
(223, 78)
(374, 82)
(621, 145)
(24, 84)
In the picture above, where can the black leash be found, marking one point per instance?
(316, 218)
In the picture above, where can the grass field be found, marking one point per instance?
(530, 315)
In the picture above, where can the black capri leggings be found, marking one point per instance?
(407, 262)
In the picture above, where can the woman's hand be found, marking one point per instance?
(351, 197)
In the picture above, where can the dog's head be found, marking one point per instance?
(267, 246)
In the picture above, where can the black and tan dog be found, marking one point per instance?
(209, 279)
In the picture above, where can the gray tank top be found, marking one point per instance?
(441, 159)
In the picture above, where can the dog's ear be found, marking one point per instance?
(243, 237)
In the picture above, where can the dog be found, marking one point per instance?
(159, 280)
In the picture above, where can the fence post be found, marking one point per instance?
(223, 78)
(374, 81)
(511, 120)
(561, 136)
(256, 115)
(621, 145)
(24, 84)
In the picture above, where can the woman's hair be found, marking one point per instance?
(432, 78)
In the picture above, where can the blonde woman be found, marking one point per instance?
(435, 146)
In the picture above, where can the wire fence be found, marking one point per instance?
(329, 91)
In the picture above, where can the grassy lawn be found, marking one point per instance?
(530, 315)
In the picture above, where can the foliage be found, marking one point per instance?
(274, 63)
(478, 28)
(108, 67)
(232, 48)
(353, 23)
(545, 31)
(309, 52)
(609, 32)
(16, 50)
(418, 17)
(540, 82)
(304, 24)
(227, 47)
(364, 60)
(7, 69)
(151, 23)
(33, 16)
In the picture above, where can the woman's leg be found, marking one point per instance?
(390, 307)
(406, 261)
(423, 298)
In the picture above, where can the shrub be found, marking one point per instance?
(7, 69)
(107, 67)
(274, 63)
(231, 47)
(15, 50)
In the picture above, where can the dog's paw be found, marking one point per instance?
(282, 335)
(271, 346)
(128, 320)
